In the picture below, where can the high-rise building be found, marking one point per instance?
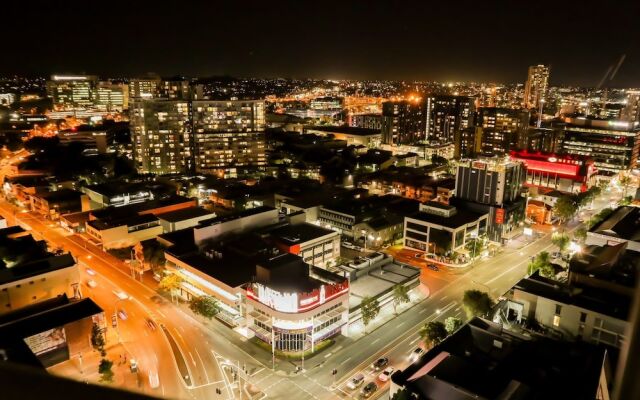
(492, 186)
(449, 115)
(536, 87)
(72, 92)
(174, 89)
(145, 88)
(162, 135)
(613, 145)
(404, 122)
(112, 96)
(368, 121)
(631, 110)
(502, 129)
(228, 135)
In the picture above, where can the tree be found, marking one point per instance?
(369, 308)
(400, 296)
(561, 240)
(207, 306)
(153, 252)
(170, 283)
(476, 303)
(452, 324)
(475, 246)
(625, 201)
(438, 160)
(625, 181)
(402, 394)
(97, 339)
(104, 368)
(542, 263)
(565, 208)
(433, 333)
(580, 234)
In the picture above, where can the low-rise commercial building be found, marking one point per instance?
(622, 226)
(184, 218)
(53, 204)
(571, 174)
(316, 245)
(439, 228)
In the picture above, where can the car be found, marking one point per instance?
(90, 272)
(151, 324)
(355, 381)
(433, 267)
(418, 255)
(121, 294)
(380, 363)
(348, 245)
(154, 381)
(114, 320)
(415, 355)
(91, 283)
(122, 314)
(133, 365)
(384, 375)
(369, 389)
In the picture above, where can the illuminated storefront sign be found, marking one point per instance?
(295, 302)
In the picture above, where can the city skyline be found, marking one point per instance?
(495, 43)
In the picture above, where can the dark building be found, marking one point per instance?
(613, 145)
(448, 115)
(404, 122)
(546, 140)
(484, 361)
(492, 186)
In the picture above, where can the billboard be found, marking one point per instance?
(500, 216)
(47, 341)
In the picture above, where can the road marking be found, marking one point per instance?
(375, 341)
(415, 340)
(402, 323)
(203, 366)
(424, 310)
(327, 355)
(193, 360)
(345, 360)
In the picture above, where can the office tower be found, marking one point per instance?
(536, 87)
(613, 145)
(112, 97)
(228, 135)
(162, 135)
(502, 129)
(404, 122)
(72, 92)
(631, 110)
(448, 115)
(144, 88)
(176, 88)
(493, 186)
(368, 121)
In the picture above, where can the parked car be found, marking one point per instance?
(154, 381)
(114, 320)
(90, 271)
(384, 375)
(122, 314)
(91, 283)
(380, 363)
(121, 294)
(417, 255)
(415, 354)
(433, 267)
(133, 365)
(369, 389)
(355, 381)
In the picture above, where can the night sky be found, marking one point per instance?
(425, 40)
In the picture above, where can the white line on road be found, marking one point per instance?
(193, 360)
(327, 355)
(345, 360)
(375, 341)
(203, 366)
(424, 310)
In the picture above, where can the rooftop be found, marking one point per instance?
(241, 214)
(460, 218)
(348, 130)
(111, 189)
(134, 220)
(133, 209)
(623, 223)
(184, 214)
(300, 233)
(481, 360)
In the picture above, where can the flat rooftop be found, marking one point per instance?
(300, 233)
(624, 223)
(348, 130)
(184, 214)
(238, 215)
(460, 218)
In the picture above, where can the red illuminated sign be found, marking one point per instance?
(500, 216)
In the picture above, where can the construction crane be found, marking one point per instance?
(608, 76)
